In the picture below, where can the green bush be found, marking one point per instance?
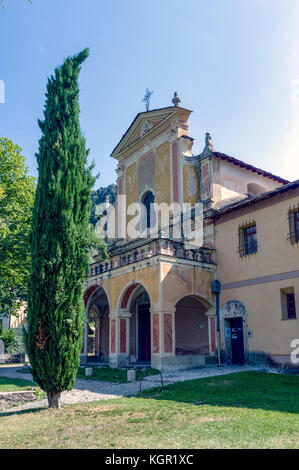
(16, 346)
(7, 336)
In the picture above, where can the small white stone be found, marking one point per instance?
(88, 371)
(131, 375)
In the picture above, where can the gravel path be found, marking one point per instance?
(94, 390)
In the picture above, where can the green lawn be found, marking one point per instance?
(107, 374)
(244, 410)
(12, 385)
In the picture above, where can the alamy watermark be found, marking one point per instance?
(295, 353)
(180, 222)
(2, 92)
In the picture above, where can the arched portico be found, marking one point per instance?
(140, 326)
(97, 328)
(191, 328)
(143, 295)
(131, 327)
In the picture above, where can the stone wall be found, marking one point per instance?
(10, 399)
(12, 358)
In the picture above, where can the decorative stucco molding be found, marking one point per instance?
(233, 308)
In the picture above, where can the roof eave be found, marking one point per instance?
(249, 167)
(255, 199)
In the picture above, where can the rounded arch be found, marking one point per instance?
(148, 215)
(204, 300)
(97, 330)
(134, 304)
(88, 292)
(91, 293)
(128, 293)
(233, 308)
(147, 189)
(191, 326)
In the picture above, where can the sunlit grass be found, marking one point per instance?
(244, 410)
(10, 385)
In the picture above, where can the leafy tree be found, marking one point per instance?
(61, 237)
(17, 190)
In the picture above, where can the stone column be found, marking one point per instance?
(156, 339)
(97, 337)
(119, 338)
(113, 340)
(212, 334)
(163, 338)
(84, 351)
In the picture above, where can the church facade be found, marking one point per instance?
(151, 302)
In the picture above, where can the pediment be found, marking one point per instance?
(143, 124)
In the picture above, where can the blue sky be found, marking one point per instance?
(235, 63)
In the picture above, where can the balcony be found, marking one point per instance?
(127, 253)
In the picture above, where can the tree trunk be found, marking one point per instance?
(54, 399)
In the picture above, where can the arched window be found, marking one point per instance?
(147, 221)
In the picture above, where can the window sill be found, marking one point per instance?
(247, 255)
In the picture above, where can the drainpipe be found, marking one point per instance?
(216, 289)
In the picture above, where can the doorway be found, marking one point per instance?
(237, 340)
(144, 333)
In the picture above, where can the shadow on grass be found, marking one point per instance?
(255, 390)
(251, 390)
(10, 412)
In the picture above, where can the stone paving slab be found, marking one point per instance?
(95, 390)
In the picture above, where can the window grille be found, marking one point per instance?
(293, 216)
(248, 239)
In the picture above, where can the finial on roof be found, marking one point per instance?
(146, 99)
(176, 100)
(209, 143)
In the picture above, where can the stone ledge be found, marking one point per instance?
(12, 358)
(9, 399)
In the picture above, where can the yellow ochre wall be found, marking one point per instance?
(275, 255)
(162, 178)
(148, 277)
(162, 163)
(178, 282)
(131, 189)
(191, 174)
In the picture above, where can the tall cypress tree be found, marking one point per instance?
(61, 237)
